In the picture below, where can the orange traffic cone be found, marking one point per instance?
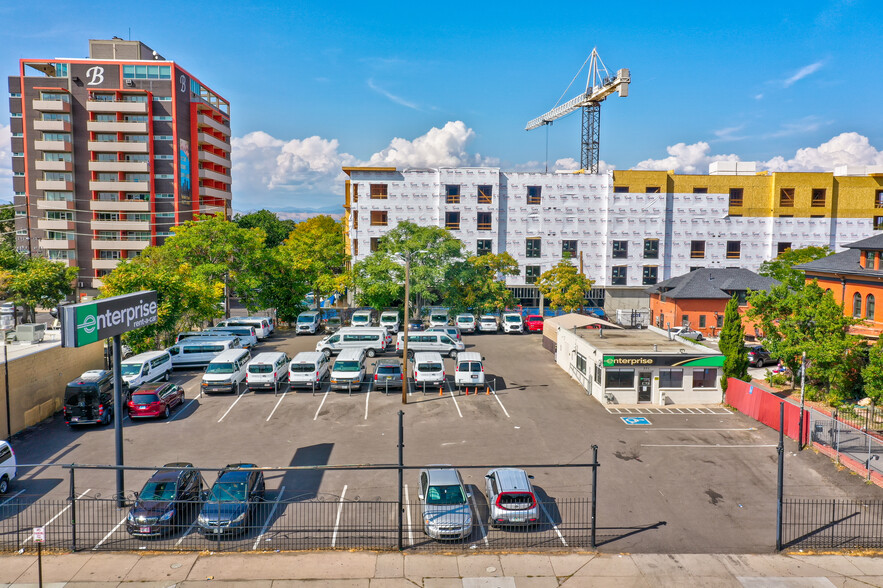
(487, 391)
(467, 390)
(441, 391)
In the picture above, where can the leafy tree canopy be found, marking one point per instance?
(276, 229)
(564, 287)
(38, 282)
(782, 268)
(315, 249)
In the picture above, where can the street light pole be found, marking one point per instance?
(405, 335)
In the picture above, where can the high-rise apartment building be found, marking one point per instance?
(110, 152)
(626, 229)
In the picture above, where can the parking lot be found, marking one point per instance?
(702, 482)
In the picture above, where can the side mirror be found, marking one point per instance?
(529, 477)
(488, 476)
(420, 496)
(483, 358)
(468, 494)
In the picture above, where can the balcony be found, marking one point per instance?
(211, 140)
(202, 119)
(116, 127)
(55, 205)
(55, 185)
(57, 126)
(120, 205)
(52, 146)
(56, 225)
(57, 244)
(51, 106)
(98, 225)
(120, 245)
(105, 263)
(214, 210)
(207, 174)
(97, 283)
(203, 155)
(107, 106)
(61, 166)
(120, 186)
(116, 146)
(120, 166)
(215, 193)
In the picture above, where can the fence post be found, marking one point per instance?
(401, 477)
(837, 435)
(869, 457)
(73, 499)
(594, 491)
(780, 450)
(833, 518)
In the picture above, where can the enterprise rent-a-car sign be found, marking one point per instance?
(88, 322)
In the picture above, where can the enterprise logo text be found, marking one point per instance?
(134, 316)
(633, 361)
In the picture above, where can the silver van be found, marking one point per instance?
(199, 351)
(226, 372)
(146, 367)
(372, 339)
(308, 369)
(267, 371)
(429, 341)
(247, 335)
(261, 325)
(348, 371)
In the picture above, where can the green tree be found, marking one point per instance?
(479, 283)
(315, 251)
(276, 229)
(38, 282)
(564, 287)
(379, 281)
(7, 225)
(782, 268)
(277, 285)
(872, 373)
(732, 345)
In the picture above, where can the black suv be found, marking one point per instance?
(759, 357)
(232, 501)
(167, 502)
(89, 399)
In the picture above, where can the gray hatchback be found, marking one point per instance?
(445, 502)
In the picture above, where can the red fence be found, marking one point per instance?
(763, 406)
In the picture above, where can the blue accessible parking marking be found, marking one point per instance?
(635, 420)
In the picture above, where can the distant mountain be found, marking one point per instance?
(297, 213)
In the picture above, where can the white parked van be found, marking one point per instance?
(199, 351)
(226, 372)
(390, 320)
(362, 318)
(429, 368)
(429, 341)
(261, 325)
(308, 322)
(348, 371)
(373, 340)
(7, 466)
(146, 367)
(308, 369)
(512, 322)
(247, 335)
(267, 371)
(439, 317)
(469, 370)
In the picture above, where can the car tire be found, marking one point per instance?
(410, 354)
(166, 412)
(759, 363)
(326, 353)
(166, 377)
(4, 485)
(371, 352)
(452, 354)
(699, 337)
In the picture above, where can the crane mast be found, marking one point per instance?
(599, 85)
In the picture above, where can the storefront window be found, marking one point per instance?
(581, 363)
(671, 378)
(706, 378)
(619, 378)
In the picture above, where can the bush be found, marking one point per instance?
(777, 380)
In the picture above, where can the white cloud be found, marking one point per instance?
(807, 124)
(391, 96)
(683, 158)
(729, 133)
(844, 149)
(5, 163)
(444, 147)
(803, 72)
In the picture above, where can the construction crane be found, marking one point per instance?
(600, 85)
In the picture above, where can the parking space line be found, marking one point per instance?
(367, 396)
(238, 398)
(711, 445)
(688, 429)
(321, 404)
(11, 497)
(112, 531)
(278, 402)
(408, 511)
(478, 519)
(50, 521)
(554, 526)
(187, 532)
(454, 398)
(494, 392)
(269, 518)
(337, 520)
(182, 410)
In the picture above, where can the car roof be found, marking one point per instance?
(487, 316)
(151, 387)
(351, 354)
(512, 479)
(427, 356)
(394, 362)
(443, 475)
(92, 376)
(266, 357)
(468, 356)
(147, 355)
(234, 475)
(229, 355)
(307, 357)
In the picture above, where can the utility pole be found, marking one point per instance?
(405, 384)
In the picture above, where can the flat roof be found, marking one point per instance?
(638, 341)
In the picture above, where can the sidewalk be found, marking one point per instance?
(394, 570)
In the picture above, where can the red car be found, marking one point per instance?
(534, 323)
(156, 399)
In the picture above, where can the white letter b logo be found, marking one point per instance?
(95, 75)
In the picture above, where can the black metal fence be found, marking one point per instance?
(832, 524)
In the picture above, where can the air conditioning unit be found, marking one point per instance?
(130, 82)
(81, 284)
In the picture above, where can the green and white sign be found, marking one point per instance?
(88, 322)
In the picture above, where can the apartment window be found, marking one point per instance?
(161, 138)
(719, 320)
(145, 217)
(379, 192)
(165, 196)
(355, 221)
(137, 236)
(700, 190)
(63, 97)
(531, 273)
(108, 236)
(483, 246)
(736, 195)
(871, 259)
(58, 176)
(734, 249)
(66, 137)
(701, 321)
(59, 196)
(857, 305)
(147, 72)
(355, 247)
(620, 249)
(786, 197)
(534, 194)
(49, 116)
(620, 189)
(101, 156)
(697, 249)
(818, 197)
(533, 247)
(581, 363)
(104, 254)
(782, 247)
(651, 248)
(878, 223)
(651, 275)
(375, 244)
(107, 177)
(619, 276)
(61, 254)
(62, 215)
(671, 378)
(452, 194)
(485, 194)
(452, 221)
(355, 192)
(568, 248)
(597, 374)
(706, 378)
(652, 190)
(484, 221)
(60, 236)
(142, 118)
(869, 307)
(620, 378)
(878, 199)
(107, 216)
(146, 177)
(144, 158)
(379, 218)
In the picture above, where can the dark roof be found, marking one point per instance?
(846, 262)
(872, 243)
(708, 283)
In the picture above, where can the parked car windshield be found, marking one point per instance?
(228, 492)
(347, 366)
(130, 369)
(439, 317)
(219, 368)
(445, 495)
(145, 398)
(513, 319)
(305, 319)
(158, 491)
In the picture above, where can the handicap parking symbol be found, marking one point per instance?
(635, 420)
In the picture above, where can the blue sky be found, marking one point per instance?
(314, 86)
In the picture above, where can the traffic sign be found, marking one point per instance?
(39, 534)
(635, 420)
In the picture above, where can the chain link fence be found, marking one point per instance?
(846, 443)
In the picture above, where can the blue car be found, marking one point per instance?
(230, 504)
